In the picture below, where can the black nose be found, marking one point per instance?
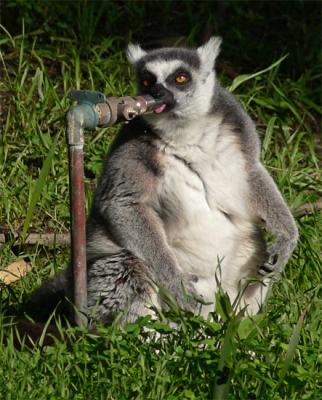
(158, 91)
(161, 93)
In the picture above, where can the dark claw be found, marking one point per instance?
(272, 259)
(265, 269)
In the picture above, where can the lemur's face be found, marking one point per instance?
(170, 81)
(183, 78)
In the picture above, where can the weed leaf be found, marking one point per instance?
(246, 77)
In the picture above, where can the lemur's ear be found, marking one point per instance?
(209, 52)
(134, 53)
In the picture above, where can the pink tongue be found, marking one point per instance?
(159, 109)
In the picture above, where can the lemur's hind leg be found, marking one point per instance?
(120, 283)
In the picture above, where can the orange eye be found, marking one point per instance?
(146, 82)
(181, 79)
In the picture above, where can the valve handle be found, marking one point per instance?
(86, 96)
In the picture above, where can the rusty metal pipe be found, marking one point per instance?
(93, 110)
(78, 118)
(78, 233)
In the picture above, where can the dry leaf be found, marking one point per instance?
(15, 271)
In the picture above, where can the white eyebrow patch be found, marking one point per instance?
(162, 69)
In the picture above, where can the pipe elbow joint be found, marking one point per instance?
(79, 118)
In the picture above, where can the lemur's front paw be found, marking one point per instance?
(192, 296)
(188, 283)
(177, 289)
(185, 293)
(271, 266)
(278, 255)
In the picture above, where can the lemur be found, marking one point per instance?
(181, 198)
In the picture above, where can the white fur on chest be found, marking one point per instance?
(204, 175)
(203, 197)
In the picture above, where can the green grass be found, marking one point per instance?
(277, 354)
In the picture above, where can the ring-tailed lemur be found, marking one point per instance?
(181, 196)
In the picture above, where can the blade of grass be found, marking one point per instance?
(11, 39)
(228, 347)
(38, 187)
(268, 135)
(5, 68)
(291, 350)
(246, 77)
(227, 353)
(21, 47)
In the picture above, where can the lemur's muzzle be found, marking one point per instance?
(159, 92)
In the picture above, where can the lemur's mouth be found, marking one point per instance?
(160, 109)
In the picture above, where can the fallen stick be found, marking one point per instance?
(44, 239)
(308, 208)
